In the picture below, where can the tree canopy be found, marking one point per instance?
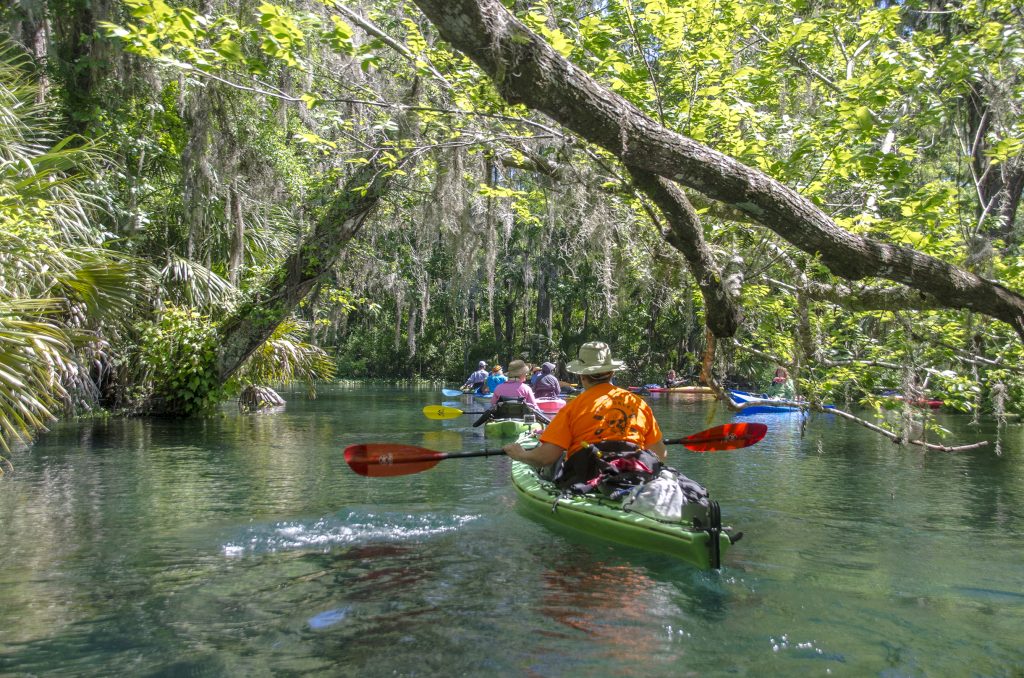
(831, 187)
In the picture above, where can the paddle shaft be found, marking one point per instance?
(709, 439)
(440, 456)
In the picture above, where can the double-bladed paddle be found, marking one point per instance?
(378, 460)
(451, 392)
(724, 437)
(444, 412)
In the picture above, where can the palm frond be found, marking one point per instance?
(31, 353)
(55, 273)
(286, 358)
(192, 283)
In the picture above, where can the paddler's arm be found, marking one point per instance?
(659, 449)
(542, 455)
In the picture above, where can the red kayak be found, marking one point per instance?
(920, 402)
(550, 405)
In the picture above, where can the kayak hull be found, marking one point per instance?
(509, 428)
(920, 402)
(744, 397)
(675, 389)
(550, 405)
(603, 518)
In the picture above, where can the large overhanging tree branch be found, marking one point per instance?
(864, 298)
(527, 70)
(721, 313)
(256, 320)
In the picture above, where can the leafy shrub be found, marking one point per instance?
(178, 354)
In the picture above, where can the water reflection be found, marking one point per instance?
(241, 545)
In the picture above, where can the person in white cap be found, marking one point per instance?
(603, 412)
(476, 380)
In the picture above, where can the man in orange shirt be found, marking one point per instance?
(602, 412)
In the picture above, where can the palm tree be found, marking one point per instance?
(285, 358)
(57, 279)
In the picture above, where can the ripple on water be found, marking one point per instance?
(351, 528)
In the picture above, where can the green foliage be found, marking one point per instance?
(58, 280)
(863, 109)
(178, 354)
(286, 358)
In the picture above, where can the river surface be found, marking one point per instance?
(242, 545)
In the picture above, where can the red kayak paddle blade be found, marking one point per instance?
(726, 437)
(381, 460)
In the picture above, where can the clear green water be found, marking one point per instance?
(244, 546)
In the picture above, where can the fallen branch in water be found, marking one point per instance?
(708, 377)
(899, 441)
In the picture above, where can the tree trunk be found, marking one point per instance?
(499, 336)
(566, 318)
(411, 332)
(399, 310)
(544, 305)
(999, 186)
(526, 70)
(237, 253)
(474, 320)
(721, 312)
(510, 325)
(73, 27)
(254, 321)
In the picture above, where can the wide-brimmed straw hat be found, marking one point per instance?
(496, 368)
(594, 357)
(516, 368)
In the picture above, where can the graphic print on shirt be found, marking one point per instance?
(617, 419)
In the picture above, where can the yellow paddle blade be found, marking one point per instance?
(441, 412)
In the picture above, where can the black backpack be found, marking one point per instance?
(613, 467)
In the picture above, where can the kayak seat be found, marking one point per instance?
(510, 408)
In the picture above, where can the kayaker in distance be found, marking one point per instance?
(670, 378)
(547, 386)
(515, 387)
(476, 381)
(603, 412)
(535, 376)
(496, 377)
(782, 385)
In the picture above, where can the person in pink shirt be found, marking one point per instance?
(515, 387)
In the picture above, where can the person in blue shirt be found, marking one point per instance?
(497, 377)
(476, 381)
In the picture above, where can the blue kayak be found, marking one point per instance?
(744, 397)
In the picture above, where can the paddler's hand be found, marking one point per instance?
(514, 451)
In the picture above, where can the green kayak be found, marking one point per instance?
(509, 428)
(605, 518)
